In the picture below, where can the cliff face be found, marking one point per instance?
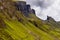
(15, 26)
(24, 8)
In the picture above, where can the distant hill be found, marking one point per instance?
(19, 22)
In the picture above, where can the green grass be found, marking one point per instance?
(15, 26)
(28, 31)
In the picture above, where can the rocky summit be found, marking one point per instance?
(24, 8)
(19, 22)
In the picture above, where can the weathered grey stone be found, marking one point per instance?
(24, 8)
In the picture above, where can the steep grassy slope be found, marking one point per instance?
(15, 26)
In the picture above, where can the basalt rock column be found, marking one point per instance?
(24, 8)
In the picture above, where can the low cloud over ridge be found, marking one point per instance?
(46, 7)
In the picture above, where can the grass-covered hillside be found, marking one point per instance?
(15, 26)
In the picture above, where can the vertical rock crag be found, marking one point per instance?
(24, 8)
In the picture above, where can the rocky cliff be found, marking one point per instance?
(24, 8)
(14, 25)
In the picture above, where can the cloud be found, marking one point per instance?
(19, 0)
(46, 7)
(41, 3)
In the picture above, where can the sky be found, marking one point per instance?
(19, 0)
(46, 8)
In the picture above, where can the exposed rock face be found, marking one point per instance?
(24, 8)
(50, 19)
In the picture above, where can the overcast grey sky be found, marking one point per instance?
(46, 7)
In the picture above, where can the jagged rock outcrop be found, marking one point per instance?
(26, 28)
(24, 8)
(49, 19)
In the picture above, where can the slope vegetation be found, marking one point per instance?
(15, 26)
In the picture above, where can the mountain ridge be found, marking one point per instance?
(24, 8)
(14, 25)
